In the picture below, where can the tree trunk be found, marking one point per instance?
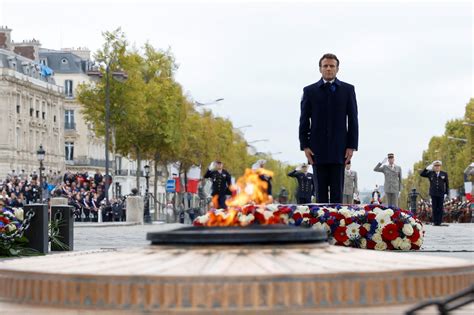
(138, 168)
(155, 186)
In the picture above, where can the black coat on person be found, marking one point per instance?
(439, 185)
(328, 121)
(305, 184)
(221, 182)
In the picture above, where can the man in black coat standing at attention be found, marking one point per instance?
(329, 129)
(439, 189)
(221, 181)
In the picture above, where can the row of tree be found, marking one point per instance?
(455, 148)
(152, 119)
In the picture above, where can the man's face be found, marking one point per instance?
(329, 69)
(220, 165)
(437, 168)
(304, 169)
(391, 160)
(348, 166)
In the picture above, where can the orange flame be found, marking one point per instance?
(251, 188)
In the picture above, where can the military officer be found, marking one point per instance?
(393, 179)
(221, 181)
(350, 185)
(305, 183)
(439, 188)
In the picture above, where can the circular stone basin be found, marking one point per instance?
(250, 279)
(252, 234)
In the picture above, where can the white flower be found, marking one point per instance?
(407, 229)
(397, 242)
(419, 242)
(246, 219)
(272, 207)
(377, 237)
(347, 243)
(267, 214)
(203, 218)
(406, 244)
(359, 213)
(342, 223)
(332, 209)
(363, 243)
(377, 210)
(19, 213)
(10, 227)
(284, 218)
(302, 209)
(411, 220)
(320, 213)
(352, 230)
(383, 219)
(346, 212)
(419, 227)
(366, 226)
(380, 246)
(318, 226)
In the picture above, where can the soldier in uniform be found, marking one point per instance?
(393, 179)
(439, 188)
(221, 181)
(305, 183)
(350, 185)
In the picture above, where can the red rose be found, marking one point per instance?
(389, 245)
(330, 221)
(400, 225)
(371, 244)
(415, 236)
(313, 221)
(395, 215)
(339, 216)
(340, 234)
(306, 215)
(296, 216)
(348, 221)
(371, 216)
(362, 231)
(390, 232)
(414, 246)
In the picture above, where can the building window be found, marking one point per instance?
(37, 114)
(69, 119)
(44, 115)
(17, 109)
(44, 62)
(31, 112)
(54, 118)
(69, 146)
(68, 88)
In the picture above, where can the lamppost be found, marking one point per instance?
(41, 154)
(198, 104)
(146, 212)
(242, 127)
(259, 140)
(119, 76)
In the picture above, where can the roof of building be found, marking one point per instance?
(63, 61)
(26, 66)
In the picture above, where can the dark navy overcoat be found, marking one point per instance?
(328, 121)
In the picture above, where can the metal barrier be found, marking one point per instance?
(37, 233)
(449, 304)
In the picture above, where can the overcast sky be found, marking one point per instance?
(411, 63)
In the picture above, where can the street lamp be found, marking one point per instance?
(41, 154)
(146, 212)
(208, 103)
(121, 77)
(457, 139)
(259, 140)
(241, 127)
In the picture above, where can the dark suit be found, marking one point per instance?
(329, 126)
(439, 186)
(305, 186)
(220, 185)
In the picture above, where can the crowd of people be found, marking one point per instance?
(455, 211)
(84, 191)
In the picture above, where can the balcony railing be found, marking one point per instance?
(134, 173)
(70, 125)
(121, 172)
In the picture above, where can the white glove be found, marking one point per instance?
(429, 167)
(384, 161)
(298, 168)
(212, 166)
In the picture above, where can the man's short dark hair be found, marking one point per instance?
(329, 56)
